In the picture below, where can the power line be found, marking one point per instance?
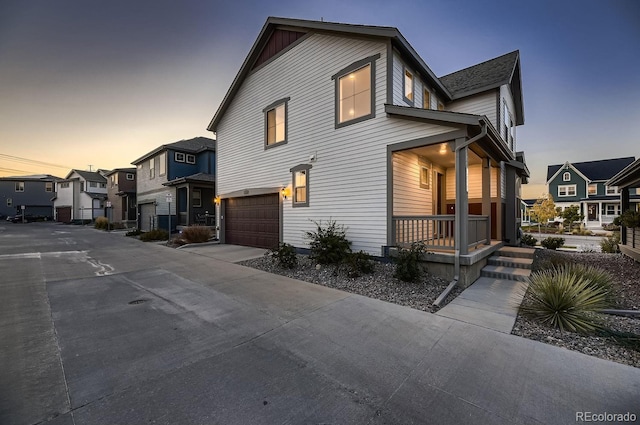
(12, 170)
(32, 161)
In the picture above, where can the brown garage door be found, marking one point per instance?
(253, 221)
(63, 214)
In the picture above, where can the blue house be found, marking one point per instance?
(585, 184)
(177, 181)
(34, 192)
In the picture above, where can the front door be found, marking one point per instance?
(592, 212)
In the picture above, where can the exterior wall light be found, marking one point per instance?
(286, 192)
(216, 200)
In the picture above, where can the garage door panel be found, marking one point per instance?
(253, 221)
(63, 214)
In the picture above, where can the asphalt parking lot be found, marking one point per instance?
(97, 328)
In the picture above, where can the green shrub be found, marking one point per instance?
(284, 255)
(630, 218)
(359, 263)
(563, 299)
(328, 244)
(581, 232)
(154, 235)
(409, 267)
(101, 223)
(196, 234)
(610, 243)
(134, 232)
(528, 240)
(552, 243)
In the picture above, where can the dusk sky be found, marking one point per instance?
(101, 83)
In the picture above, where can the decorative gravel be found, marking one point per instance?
(380, 284)
(626, 277)
(420, 295)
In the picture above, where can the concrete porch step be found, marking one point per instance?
(515, 262)
(509, 273)
(514, 251)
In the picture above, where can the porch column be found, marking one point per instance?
(600, 212)
(511, 231)
(486, 194)
(624, 205)
(461, 236)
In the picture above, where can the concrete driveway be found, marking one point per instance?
(100, 329)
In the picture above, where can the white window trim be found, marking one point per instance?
(19, 187)
(162, 164)
(566, 190)
(190, 159)
(9, 202)
(589, 186)
(179, 157)
(614, 189)
(48, 186)
(566, 176)
(130, 176)
(152, 168)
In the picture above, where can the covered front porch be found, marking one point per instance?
(195, 199)
(458, 194)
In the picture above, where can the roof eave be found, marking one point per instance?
(627, 177)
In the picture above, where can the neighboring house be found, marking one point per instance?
(525, 210)
(186, 171)
(585, 184)
(628, 183)
(346, 122)
(33, 192)
(80, 196)
(121, 193)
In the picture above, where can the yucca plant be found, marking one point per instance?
(563, 299)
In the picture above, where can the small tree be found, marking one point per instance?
(543, 210)
(571, 215)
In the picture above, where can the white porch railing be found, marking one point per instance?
(437, 231)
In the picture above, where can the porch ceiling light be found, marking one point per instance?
(443, 149)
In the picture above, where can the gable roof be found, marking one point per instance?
(273, 23)
(90, 176)
(503, 70)
(195, 145)
(32, 177)
(130, 170)
(594, 170)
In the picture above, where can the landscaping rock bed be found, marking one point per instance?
(380, 285)
(626, 278)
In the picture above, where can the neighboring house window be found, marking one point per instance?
(612, 190)
(408, 86)
(130, 176)
(191, 159)
(48, 187)
(81, 186)
(152, 168)
(162, 166)
(566, 177)
(114, 180)
(103, 185)
(139, 167)
(19, 186)
(440, 106)
(300, 179)
(179, 157)
(197, 198)
(426, 99)
(93, 184)
(64, 185)
(593, 189)
(567, 190)
(9, 202)
(612, 209)
(355, 92)
(275, 122)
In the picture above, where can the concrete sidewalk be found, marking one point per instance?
(224, 252)
(489, 303)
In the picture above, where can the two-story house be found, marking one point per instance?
(347, 122)
(80, 196)
(121, 194)
(34, 193)
(177, 181)
(628, 182)
(584, 184)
